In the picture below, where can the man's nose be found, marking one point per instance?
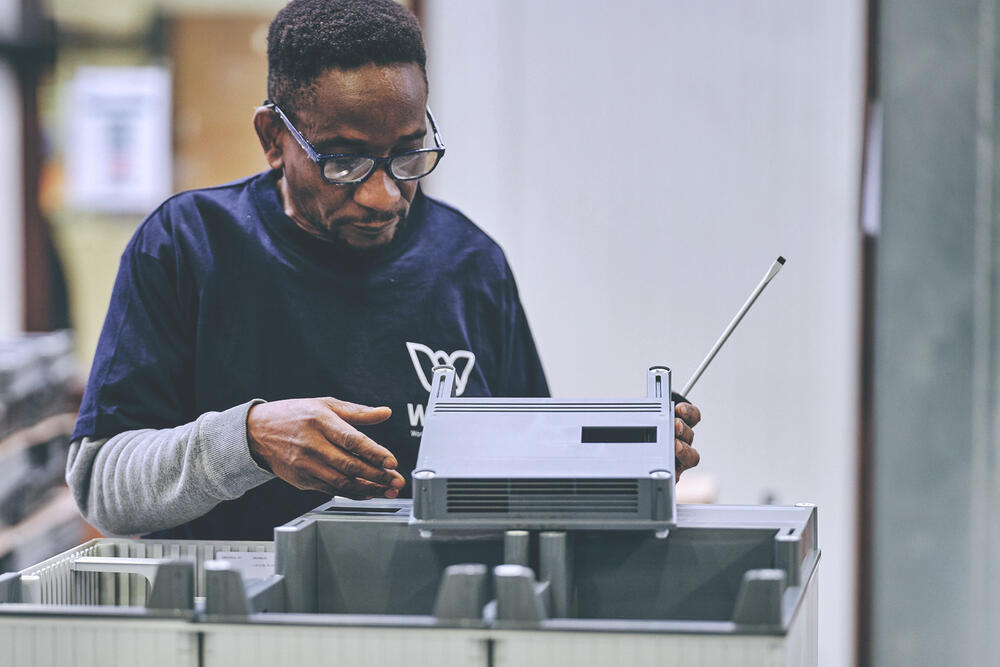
(379, 192)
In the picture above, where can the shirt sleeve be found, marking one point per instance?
(151, 479)
(142, 373)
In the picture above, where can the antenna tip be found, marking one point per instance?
(781, 260)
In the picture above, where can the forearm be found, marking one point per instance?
(145, 480)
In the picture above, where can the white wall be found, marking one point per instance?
(11, 186)
(643, 163)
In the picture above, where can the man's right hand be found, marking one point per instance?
(311, 443)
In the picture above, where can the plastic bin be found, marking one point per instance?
(730, 585)
(357, 581)
(53, 616)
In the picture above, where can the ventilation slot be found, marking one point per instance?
(550, 497)
(613, 434)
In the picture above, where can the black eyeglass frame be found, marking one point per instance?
(377, 161)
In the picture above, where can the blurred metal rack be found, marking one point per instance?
(38, 386)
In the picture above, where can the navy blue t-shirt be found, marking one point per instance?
(222, 298)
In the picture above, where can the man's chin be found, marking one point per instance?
(364, 240)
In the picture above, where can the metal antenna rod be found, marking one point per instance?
(771, 272)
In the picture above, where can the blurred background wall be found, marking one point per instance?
(642, 163)
(213, 57)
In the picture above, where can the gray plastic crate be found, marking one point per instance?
(53, 582)
(53, 616)
(56, 639)
(729, 585)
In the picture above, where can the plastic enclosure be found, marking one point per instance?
(546, 463)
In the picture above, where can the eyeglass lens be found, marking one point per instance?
(347, 169)
(414, 165)
(408, 166)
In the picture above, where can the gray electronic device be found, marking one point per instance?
(546, 463)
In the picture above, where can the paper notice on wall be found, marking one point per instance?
(251, 564)
(117, 147)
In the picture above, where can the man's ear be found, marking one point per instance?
(269, 130)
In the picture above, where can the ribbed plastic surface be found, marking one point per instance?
(550, 496)
(591, 650)
(271, 646)
(53, 582)
(66, 641)
(99, 642)
(798, 648)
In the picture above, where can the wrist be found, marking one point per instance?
(252, 445)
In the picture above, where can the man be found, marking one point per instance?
(240, 310)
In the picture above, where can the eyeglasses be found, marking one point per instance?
(352, 168)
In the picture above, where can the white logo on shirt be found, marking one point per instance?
(436, 358)
(442, 358)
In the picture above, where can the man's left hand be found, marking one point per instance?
(686, 416)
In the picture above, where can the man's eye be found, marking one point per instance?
(348, 169)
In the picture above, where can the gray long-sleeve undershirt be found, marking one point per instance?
(150, 479)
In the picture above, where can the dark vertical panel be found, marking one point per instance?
(924, 330)
(866, 394)
(869, 251)
(45, 304)
(36, 249)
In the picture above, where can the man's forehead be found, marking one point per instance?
(402, 81)
(372, 108)
(395, 93)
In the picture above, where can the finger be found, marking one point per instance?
(686, 456)
(688, 412)
(363, 489)
(326, 449)
(682, 431)
(355, 413)
(352, 466)
(324, 481)
(339, 458)
(348, 438)
(335, 483)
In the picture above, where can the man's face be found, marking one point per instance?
(374, 110)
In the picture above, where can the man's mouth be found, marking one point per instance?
(374, 228)
(372, 224)
(366, 233)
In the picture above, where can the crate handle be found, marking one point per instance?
(147, 567)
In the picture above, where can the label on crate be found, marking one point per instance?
(251, 564)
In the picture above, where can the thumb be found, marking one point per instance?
(358, 414)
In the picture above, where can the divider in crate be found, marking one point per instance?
(54, 581)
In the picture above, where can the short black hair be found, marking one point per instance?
(309, 37)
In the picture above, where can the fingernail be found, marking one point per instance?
(389, 463)
(397, 482)
(391, 493)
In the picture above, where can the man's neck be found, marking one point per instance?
(344, 252)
